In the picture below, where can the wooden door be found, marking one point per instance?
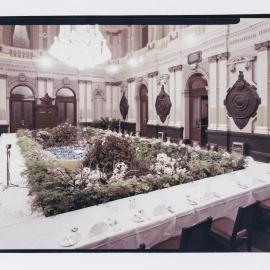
(21, 115)
(66, 112)
(143, 110)
(195, 118)
(198, 109)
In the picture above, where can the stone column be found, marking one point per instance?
(152, 97)
(108, 107)
(4, 119)
(177, 95)
(1, 34)
(171, 92)
(129, 39)
(155, 94)
(263, 87)
(131, 100)
(83, 101)
(213, 93)
(41, 87)
(218, 85)
(49, 87)
(116, 99)
(223, 82)
(136, 37)
(89, 102)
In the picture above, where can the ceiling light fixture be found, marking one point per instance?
(80, 46)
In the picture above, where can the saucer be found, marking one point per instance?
(160, 210)
(98, 228)
(138, 218)
(70, 240)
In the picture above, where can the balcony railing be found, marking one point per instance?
(20, 52)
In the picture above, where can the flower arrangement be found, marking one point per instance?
(115, 166)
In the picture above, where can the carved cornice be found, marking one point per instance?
(108, 83)
(219, 57)
(139, 79)
(152, 74)
(45, 79)
(84, 81)
(116, 83)
(130, 80)
(247, 59)
(262, 46)
(175, 68)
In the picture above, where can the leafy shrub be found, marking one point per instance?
(55, 190)
(105, 123)
(105, 153)
(64, 134)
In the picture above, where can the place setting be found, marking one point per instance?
(71, 238)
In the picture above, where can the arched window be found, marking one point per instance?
(66, 106)
(21, 108)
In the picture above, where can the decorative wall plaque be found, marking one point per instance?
(163, 104)
(46, 100)
(124, 106)
(195, 57)
(242, 101)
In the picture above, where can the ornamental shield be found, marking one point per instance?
(124, 106)
(242, 101)
(163, 104)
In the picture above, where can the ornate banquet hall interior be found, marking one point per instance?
(140, 137)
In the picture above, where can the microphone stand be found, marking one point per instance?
(9, 184)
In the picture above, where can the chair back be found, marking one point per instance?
(196, 237)
(244, 220)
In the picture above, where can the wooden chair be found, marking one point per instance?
(196, 237)
(192, 239)
(263, 221)
(233, 234)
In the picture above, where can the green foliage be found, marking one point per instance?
(56, 190)
(107, 152)
(105, 123)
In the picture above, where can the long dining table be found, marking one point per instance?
(148, 218)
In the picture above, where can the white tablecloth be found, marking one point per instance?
(46, 233)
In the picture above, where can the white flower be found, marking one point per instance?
(226, 155)
(119, 171)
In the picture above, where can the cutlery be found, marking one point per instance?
(170, 209)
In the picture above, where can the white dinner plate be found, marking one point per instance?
(160, 210)
(70, 240)
(192, 201)
(138, 218)
(98, 228)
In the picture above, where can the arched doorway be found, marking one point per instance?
(66, 106)
(143, 110)
(21, 108)
(198, 104)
